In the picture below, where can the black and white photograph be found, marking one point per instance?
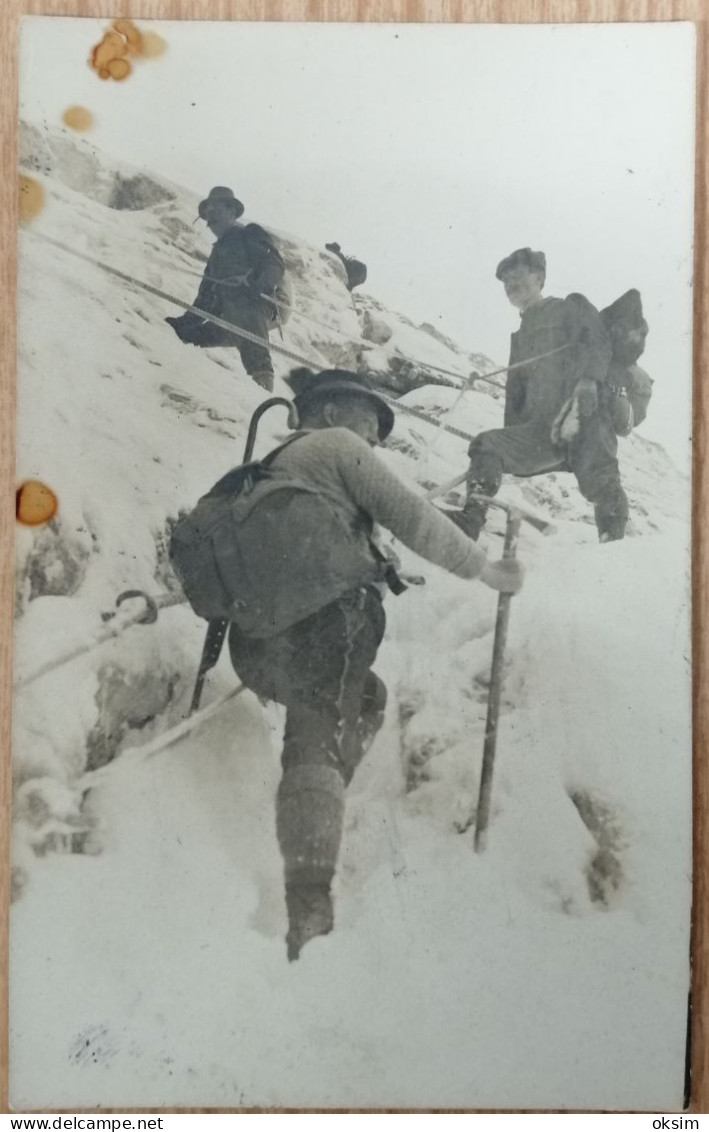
(352, 674)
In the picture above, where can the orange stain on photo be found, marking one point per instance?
(31, 197)
(109, 57)
(153, 45)
(35, 503)
(78, 118)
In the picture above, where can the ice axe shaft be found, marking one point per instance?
(482, 814)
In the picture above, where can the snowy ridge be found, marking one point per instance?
(556, 936)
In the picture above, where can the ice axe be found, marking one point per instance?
(515, 517)
(539, 522)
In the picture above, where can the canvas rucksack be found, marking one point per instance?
(262, 243)
(265, 550)
(628, 387)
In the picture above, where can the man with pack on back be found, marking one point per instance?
(320, 665)
(244, 266)
(560, 411)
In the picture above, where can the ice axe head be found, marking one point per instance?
(537, 521)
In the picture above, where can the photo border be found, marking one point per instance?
(385, 11)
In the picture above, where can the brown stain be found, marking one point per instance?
(31, 197)
(109, 57)
(133, 38)
(153, 45)
(78, 118)
(112, 48)
(35, 503)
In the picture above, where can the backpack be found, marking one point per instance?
(283, 294)
(263, 244)
(265, 550)
(356, 272)
(628, 387)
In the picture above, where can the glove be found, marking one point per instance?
(506, 575)
(586, 397)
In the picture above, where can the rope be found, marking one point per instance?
(358, 341)
(237, 330)
(274, 302)
(221, 322)
(133, 756)
(250, 337)
(468, 385)
(422, 416)
(106, 633)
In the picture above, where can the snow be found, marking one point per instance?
(150, 968)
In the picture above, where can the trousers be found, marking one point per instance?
(526, 450)
(321, 670)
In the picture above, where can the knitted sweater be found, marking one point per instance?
(346, 469)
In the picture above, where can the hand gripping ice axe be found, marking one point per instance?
(515, 517)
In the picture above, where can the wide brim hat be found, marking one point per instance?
(522, 257)
(309, 388)
(223, 195)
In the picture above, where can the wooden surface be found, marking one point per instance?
(498, 11)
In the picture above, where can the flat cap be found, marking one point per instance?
(522, 257)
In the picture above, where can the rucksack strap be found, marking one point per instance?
(268, 460)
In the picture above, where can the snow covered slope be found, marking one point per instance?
(148, 966)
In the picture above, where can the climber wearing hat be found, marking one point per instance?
(244, 266)
(320, 667)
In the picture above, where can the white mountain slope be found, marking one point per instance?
(150, 969)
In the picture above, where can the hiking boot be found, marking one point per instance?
(310, 913)
(610, 536)
(611, 528)
(470, 521)
(611, 515)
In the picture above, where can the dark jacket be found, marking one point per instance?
(538, 391)
(244, 263)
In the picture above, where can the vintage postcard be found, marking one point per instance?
(352, 753)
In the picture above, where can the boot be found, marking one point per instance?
(614, 534)
(611, 525)
(264, 378)
(309, 814)
(310, 914)
(470, 520)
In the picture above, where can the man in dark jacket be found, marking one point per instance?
(244, 266)
(321, 667)
(556, 416)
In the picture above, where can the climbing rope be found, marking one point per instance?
(118, 623)
(222, 323)
(283, 307)
(247, 334)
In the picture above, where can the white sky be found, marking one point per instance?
(430, 152)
